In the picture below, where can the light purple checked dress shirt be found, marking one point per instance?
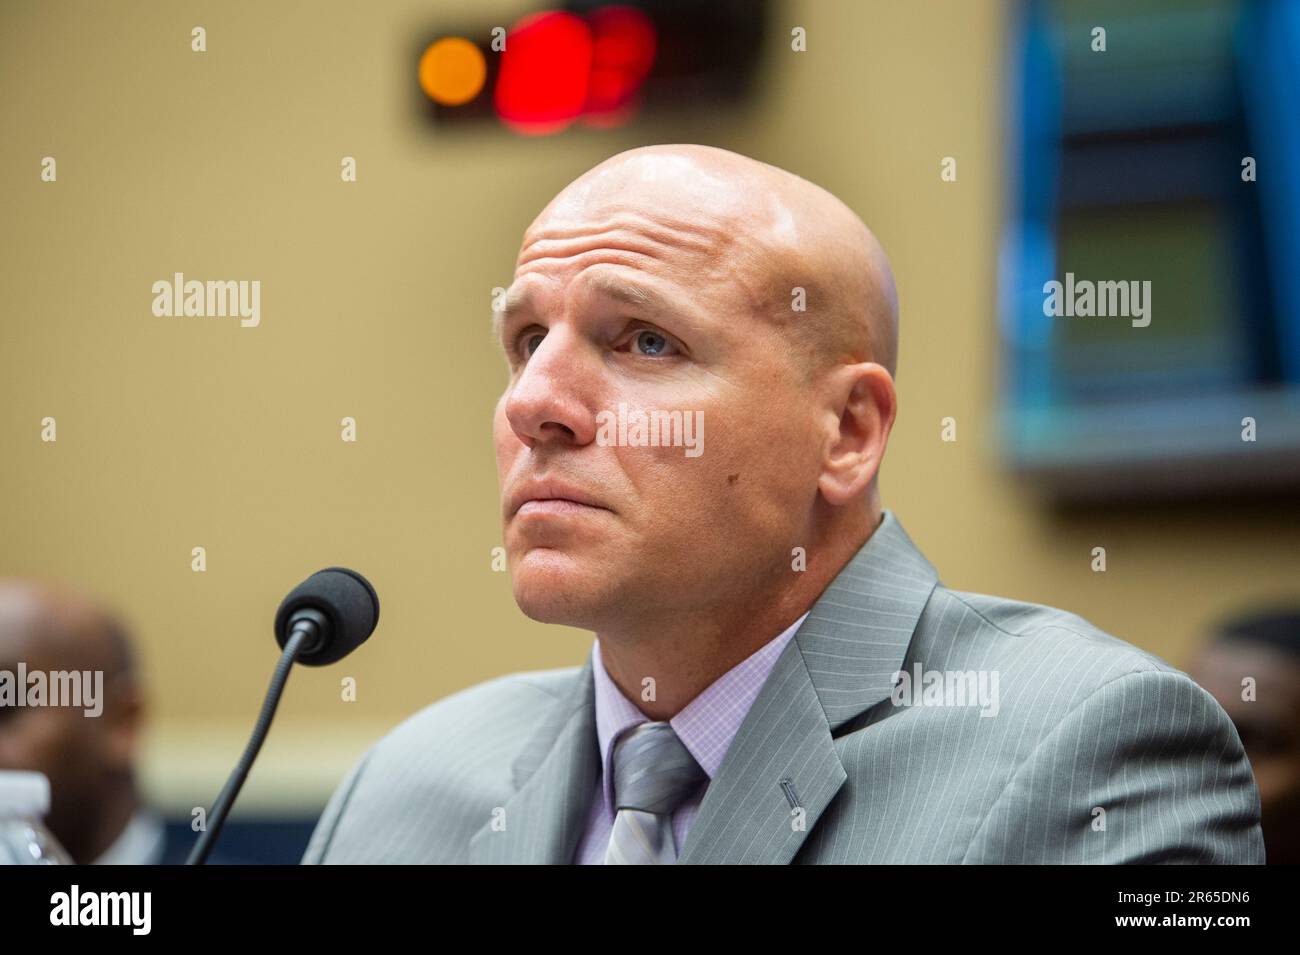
(706, 726)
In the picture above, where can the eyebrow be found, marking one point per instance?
(516, 300)
(636, 296)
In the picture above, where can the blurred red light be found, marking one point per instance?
(545, 68)
(622, 54)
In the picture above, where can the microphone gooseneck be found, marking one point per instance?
(322, 620)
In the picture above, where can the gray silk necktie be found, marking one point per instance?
(653, 774)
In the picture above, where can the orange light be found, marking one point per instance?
(452, 71)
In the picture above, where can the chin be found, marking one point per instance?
(552, 586)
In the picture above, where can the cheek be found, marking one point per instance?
(505, 441)
(682, 494)
(31, 740)
(661, 478)
(13, 748)
(762, 451)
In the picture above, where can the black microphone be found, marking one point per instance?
(340, 604)
(321, 621)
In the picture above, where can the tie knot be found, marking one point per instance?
(653, 769)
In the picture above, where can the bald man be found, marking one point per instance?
(88, 754)
(701, 351)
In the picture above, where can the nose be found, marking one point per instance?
(545, 404)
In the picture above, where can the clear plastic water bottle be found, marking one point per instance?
(24, 840)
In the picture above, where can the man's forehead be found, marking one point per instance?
(649, 258)
(645, 257)
(659, 192)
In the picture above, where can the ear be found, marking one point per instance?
(863, 398)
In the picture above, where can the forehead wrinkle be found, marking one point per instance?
(645, 293)
(624, 229)
(519, 299)
(745, 235)
(629, 293)
(636, 292)
(637, 240)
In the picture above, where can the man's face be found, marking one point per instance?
(652, 528)
(59, 741)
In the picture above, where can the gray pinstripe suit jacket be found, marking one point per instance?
(1097, 751)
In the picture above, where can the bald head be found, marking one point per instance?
(42, 622)
(769, 231)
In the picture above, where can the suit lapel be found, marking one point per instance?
(782, 758)
(782, 769)
(555, 777)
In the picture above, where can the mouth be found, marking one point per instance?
(551, 498)
(555, 507)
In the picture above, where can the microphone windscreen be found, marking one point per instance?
(346, 599)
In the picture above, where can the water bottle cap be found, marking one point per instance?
(23, 793)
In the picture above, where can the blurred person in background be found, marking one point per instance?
(1264, 648)
(95, 808)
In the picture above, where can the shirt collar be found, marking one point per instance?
(706, 726)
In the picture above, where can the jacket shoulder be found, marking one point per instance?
(420, 792)
(496, 703)
(480, 728)
(1044, 662)
(1020, 634)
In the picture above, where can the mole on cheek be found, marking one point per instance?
(732, 479)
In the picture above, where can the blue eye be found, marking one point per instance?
(646, 342)
(650, 343)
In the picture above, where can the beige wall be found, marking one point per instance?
(176, 433)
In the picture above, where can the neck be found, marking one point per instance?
(685, 652)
